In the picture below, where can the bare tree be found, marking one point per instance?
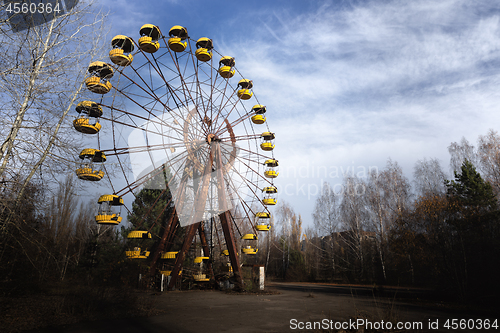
(354, 217)
(459, 152)
(326, 211)
(429, 177)
(289, 239)
(388, 196)
(41, 77)
(66, 227)
(488, 152)
(377, 196)
(327, 221)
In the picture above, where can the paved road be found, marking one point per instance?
(355, 290)
(214, 311)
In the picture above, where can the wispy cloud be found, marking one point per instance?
(375, 80)
(356, 82)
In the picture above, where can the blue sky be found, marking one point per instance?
(349, 84)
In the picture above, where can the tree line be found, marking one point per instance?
(435, 231)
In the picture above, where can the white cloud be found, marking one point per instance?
(394, 79)
(356, 84)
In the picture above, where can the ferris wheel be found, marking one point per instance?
(174, 103)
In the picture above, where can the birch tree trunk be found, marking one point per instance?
(42, 70)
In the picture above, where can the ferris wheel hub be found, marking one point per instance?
(211, 137)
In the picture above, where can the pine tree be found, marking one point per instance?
(472, 241)
(471, 196)
(152, 207)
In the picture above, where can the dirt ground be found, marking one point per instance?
(279, 310)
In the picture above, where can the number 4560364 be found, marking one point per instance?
(32, 8)
(479, 324)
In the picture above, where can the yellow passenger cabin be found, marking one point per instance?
(98, 81)
(137, 253)
(248, 245)
(201, 277)
(169, 255)
(267, 141)
(177, 36)
(204, 48)
(90, 160)
(258, 118)
(199, 260)
(139, 234)
(168, 273)
(150, 34)
(262, 221)
(249, 237)
(226, 65)
(270, 194)
(108, 215)
(244, 91)
(138, 239)
(120, 54)
(201, 274)
(271, 170)
(87, 110)
(249, 250)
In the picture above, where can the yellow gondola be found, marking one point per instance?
(177, 35)
(106, 214)
(200, 277)
(248, 242)
(262, 223)
(149, 41)
(138, 237)
(87, 109)
(204, 48)
(169, 255)
(136, 253)
(199, 260)
(269, 195)
(249, 250)
(83, 125)
(120, 54)
(87, 170)
(167, 273)
(98, 85)
(139, 234)
(262, 227)
(249, 237)
(267, 141)
(271, 170)
(270, 190)
(100, 73)
(269, 201)
(244, 91)
(226, 65)
(259, 117)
